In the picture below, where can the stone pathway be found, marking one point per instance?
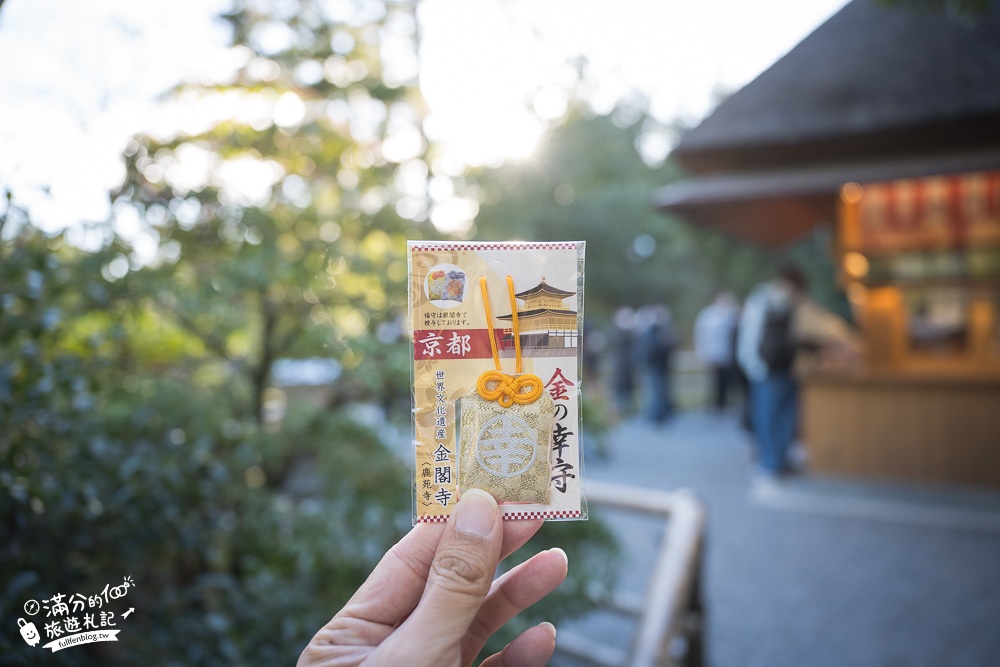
(814, 572)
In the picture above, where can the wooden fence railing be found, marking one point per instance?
(671, 617)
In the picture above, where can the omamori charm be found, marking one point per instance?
(506, 426)
(506, 451)
(496, 395)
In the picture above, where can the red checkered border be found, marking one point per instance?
(429, 247)
(513, 516)
(553, 514)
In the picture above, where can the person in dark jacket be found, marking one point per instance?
(659, 338)
(623, 341)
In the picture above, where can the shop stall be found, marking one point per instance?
(920, 261)
(882, 126)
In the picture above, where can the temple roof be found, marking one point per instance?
(544, 288)
(868, 72)
(876, 92)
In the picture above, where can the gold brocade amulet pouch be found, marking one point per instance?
(506, 451)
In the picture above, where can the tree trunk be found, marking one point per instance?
(267, 351)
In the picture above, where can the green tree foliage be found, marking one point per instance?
(140, 431)
(117, 465)
(590, 182)
(277, 223)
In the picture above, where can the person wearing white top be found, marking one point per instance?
(773, 387)
(713, 342)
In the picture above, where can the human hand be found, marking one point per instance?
(432, 601)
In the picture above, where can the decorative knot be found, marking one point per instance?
(507, 390)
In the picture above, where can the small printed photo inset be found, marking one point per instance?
(445, 285)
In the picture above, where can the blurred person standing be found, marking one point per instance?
(739, 378)
(779, 322)
(714, 328)
(659, 338)
(623, 341)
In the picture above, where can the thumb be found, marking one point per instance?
(460, 576)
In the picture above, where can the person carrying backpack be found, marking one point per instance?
(778, 324)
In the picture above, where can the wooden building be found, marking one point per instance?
(883, 124)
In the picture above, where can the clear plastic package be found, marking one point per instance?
(496, 349)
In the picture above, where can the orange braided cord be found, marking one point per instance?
(506, 389)
(509, 389)
(489, 322)
(514, 326)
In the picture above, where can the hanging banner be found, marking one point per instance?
(940, 212)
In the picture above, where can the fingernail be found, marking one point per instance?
(562, 553)
(551, 627)
(475, 513)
